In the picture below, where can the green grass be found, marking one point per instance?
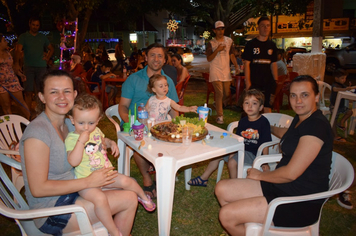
(195, 212)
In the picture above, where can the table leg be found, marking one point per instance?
(121, 162)
(165, 176)
(240, 164)
(336, 107)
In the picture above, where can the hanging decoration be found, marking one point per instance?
(172, 25)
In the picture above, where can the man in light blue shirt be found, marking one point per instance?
(134, 90)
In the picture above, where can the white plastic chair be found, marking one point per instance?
(275, 119)
(18, 209)
(341, 177)
(322, 87)
(326, 110)
(11, 131)
(110, 113)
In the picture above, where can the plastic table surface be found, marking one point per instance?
(174, 156)
(340, 95)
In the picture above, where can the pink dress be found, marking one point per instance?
(8, 79)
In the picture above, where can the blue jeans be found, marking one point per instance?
(55, 224)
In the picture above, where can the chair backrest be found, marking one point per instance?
(292, 75)
(282, 78)
(111, 112)
(11, 130)
(322, 87)
(278, 119)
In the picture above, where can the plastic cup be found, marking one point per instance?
(138, 133)
(187, 135)
(126, 127)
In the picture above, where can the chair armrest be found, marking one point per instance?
(8, 160)
(83, 220)
(266, 144)
(285, 200)
(266, 159)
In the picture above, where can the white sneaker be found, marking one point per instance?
(220, 120)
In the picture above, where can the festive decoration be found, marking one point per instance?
(68, 36)
(172, 25)
(206, 34)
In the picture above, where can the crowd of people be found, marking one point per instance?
(73, 166)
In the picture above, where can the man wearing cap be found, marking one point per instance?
(260, 57)
(37, 51)
(219, 52)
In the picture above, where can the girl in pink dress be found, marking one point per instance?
(9, 82)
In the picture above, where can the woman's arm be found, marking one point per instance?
(37, 168)
(305, 153)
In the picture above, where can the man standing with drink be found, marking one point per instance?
(219, 52)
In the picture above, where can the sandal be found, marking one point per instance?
(198, 182)
(339, 139)
(341, 127)
(143, 202)
(150, 190)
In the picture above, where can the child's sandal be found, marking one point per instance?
(144, 202)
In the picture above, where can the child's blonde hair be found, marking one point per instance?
(153, 79)
(86, 102)
(257, 94)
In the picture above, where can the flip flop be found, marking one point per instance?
(150, 189)
(339, 139)
(341, 127)
(143, 202)
(198, 182)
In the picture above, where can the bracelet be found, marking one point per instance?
(78, 141)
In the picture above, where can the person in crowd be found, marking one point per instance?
(101, 52)
(87, 61)
(238, 56)
(49, 178)
(281, 65)
(76, 67)
(101, 73)
(219, 52)
(37, 51)
(254, 128)
(10, 85)
(169, 69)
(119, 55)
(134, 91)
(97, 62)
(159, 104)
(86, 48)
(182, 71)
(141, 62)
(260, 58)
(306, 155)
(86, 151)
(339, 85)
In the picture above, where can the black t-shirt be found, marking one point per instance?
(254, 133)
(316, 177)
(261, 55)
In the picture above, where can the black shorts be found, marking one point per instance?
(267, 91)
(295, 214)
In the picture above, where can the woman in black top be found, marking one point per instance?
(304, 169)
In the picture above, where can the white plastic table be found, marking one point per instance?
(340, 95)
(175, 155)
